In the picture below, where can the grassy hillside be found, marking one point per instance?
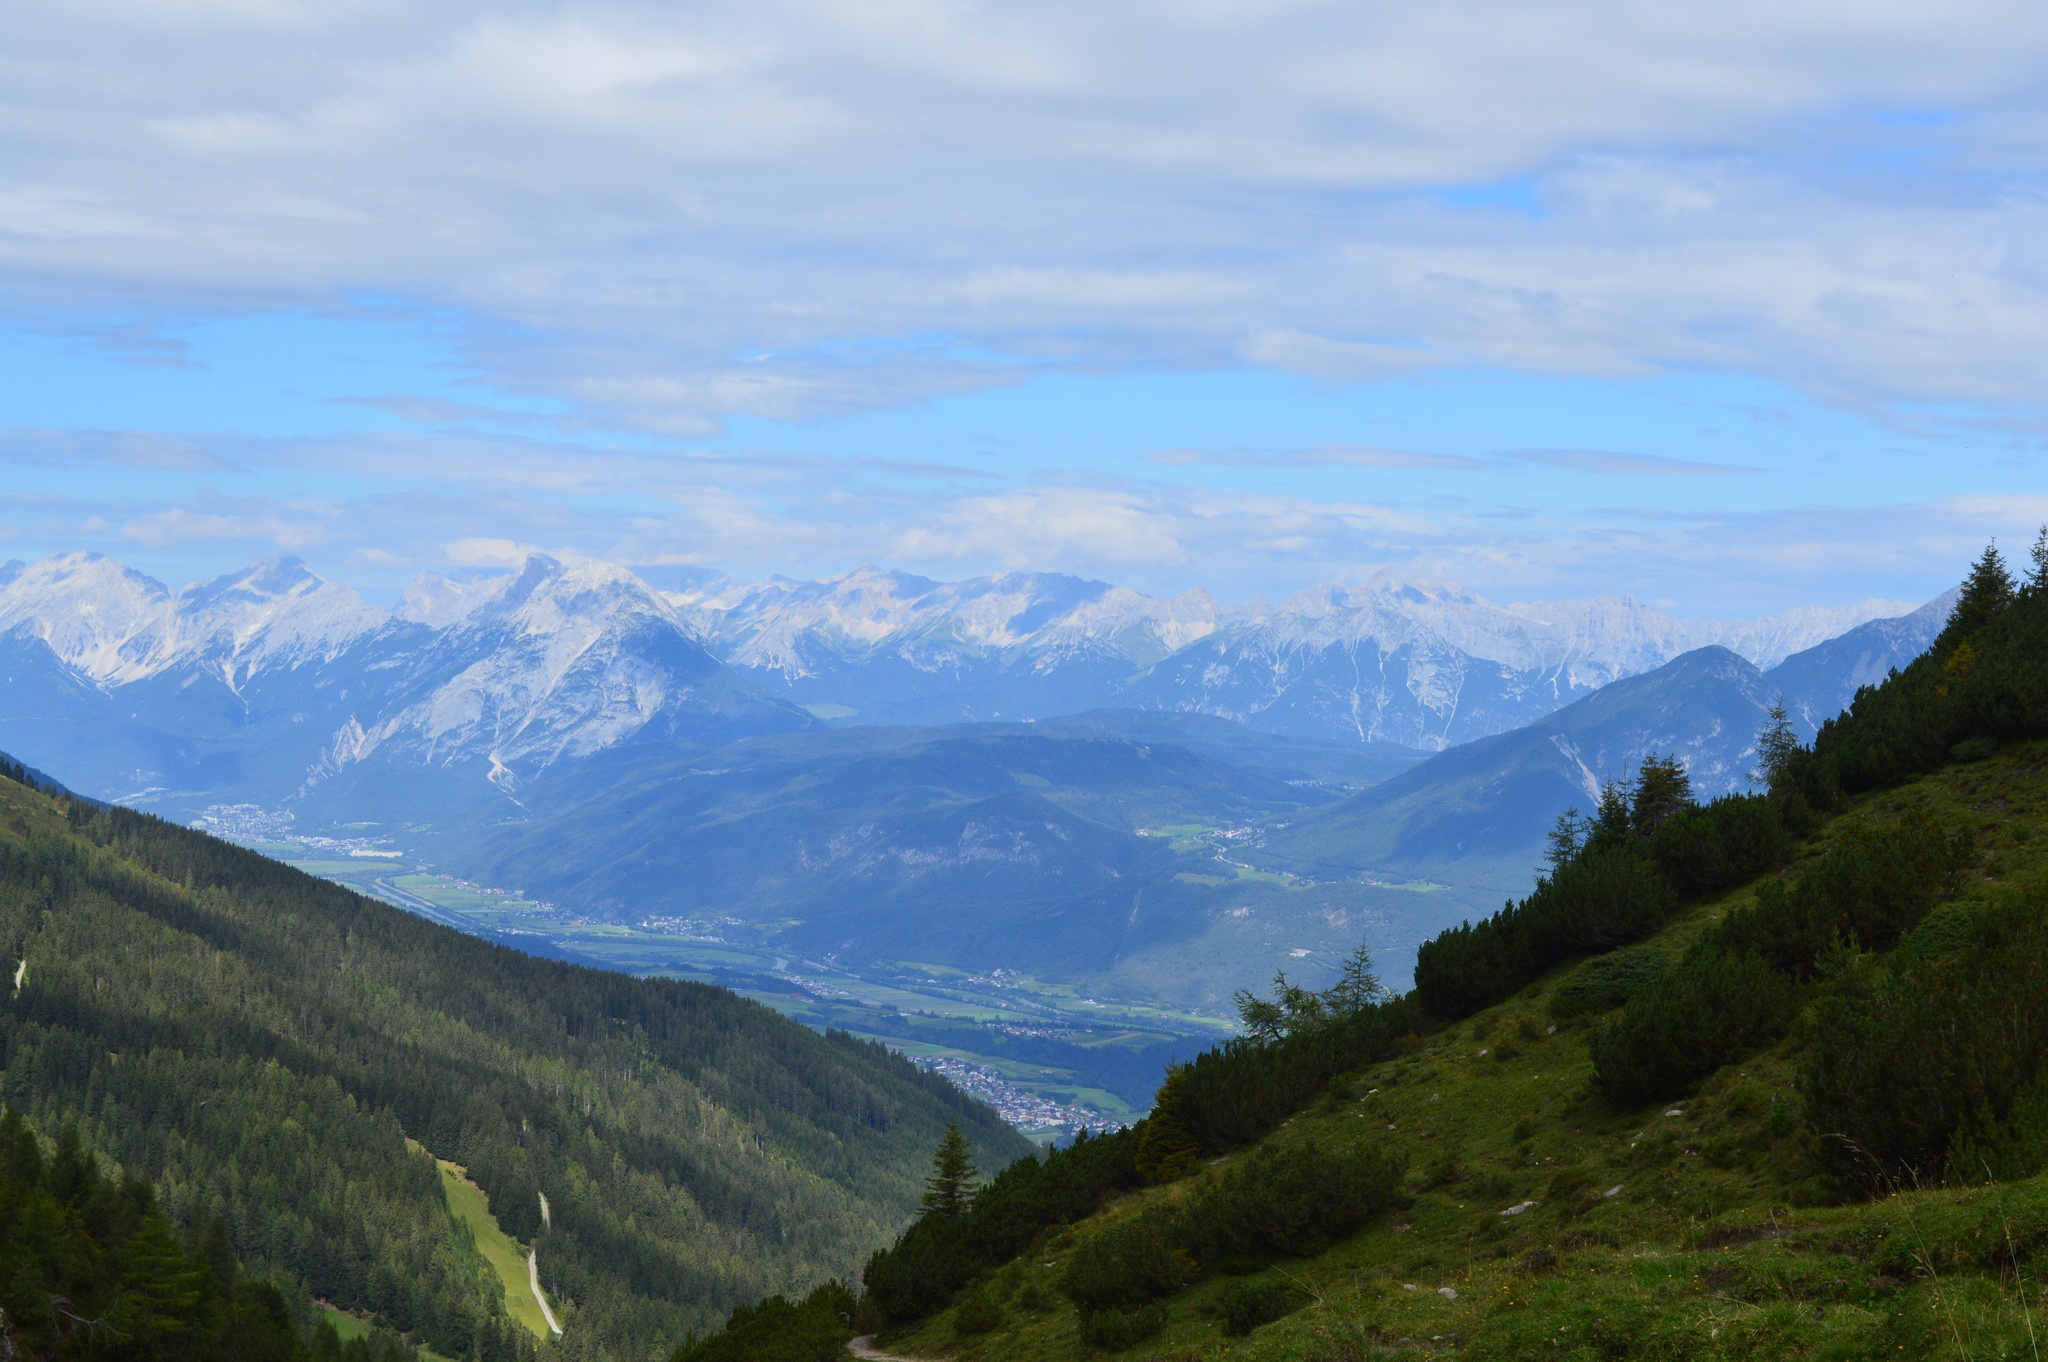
(1700, 1226)
(259, 1047)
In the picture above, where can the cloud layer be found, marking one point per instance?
(667, 215)
(495, 497)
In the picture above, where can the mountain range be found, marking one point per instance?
(271, 685)
(1421, 664)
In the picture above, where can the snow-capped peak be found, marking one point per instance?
(101, 617)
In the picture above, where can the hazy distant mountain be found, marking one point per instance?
(889, 647)
(1023, 845)
(1477, 814)
(1820, 682)
(1419, 664)
(271, 684)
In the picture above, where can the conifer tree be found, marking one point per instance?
(1358, 987)
(950, 1188)
(1611, 820)
(1986, 591)
(1566, 839)
(2038, 578)
(1777, 749)
(1662, 789)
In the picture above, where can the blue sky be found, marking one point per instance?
(1732, 312)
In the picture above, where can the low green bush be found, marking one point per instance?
(813, 1329)
(1291, 1201)
(1131, 1263)
(1930, 1067)
(1607, 981)
(1695, 1019)
(1112, 1331)
(978, 1314)
(1244, 1306)
(1874, 885)
(1295, 1200)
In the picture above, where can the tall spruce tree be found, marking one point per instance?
(1566, 839)
(1662, 788)
(1986, 591)
(1777, 751)
(2038, 578)
(950, 1188)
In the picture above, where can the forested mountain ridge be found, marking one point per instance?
(1749, 1079)
(259, 1045)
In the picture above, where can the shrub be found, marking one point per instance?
(939, 1254)
(1733, 839)
(1693, 1020)
(978, 1314)
(1607, 981)
(777, 1330)
(1873, 886)
(1128, 1264)
(1112, 1331)
(1244, 1306)
(1605, 897)
(1296, 1201)
(1229, 1096)
(1931, 1068)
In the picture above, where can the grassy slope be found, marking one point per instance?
(1718, 1243)
(471, 1205)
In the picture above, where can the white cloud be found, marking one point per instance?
(626, 197)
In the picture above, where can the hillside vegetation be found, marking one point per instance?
(1759, 1079)
(272, 1064)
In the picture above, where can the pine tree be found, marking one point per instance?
(1662, 789)
(950, 1188)
(2038, 578)
(1777, 749)
(1611, 819)
(1566, 839)
(1986, 591)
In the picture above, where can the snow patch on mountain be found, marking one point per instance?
(117, 626)
(796, 628)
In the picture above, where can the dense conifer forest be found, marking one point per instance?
(265, 1066)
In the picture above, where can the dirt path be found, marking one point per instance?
(533, 1277)
(860, 1349)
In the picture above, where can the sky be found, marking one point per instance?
(1731, 308)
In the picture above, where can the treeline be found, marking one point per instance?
(1618, 877)
(1981, 683)
(260, 1045)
